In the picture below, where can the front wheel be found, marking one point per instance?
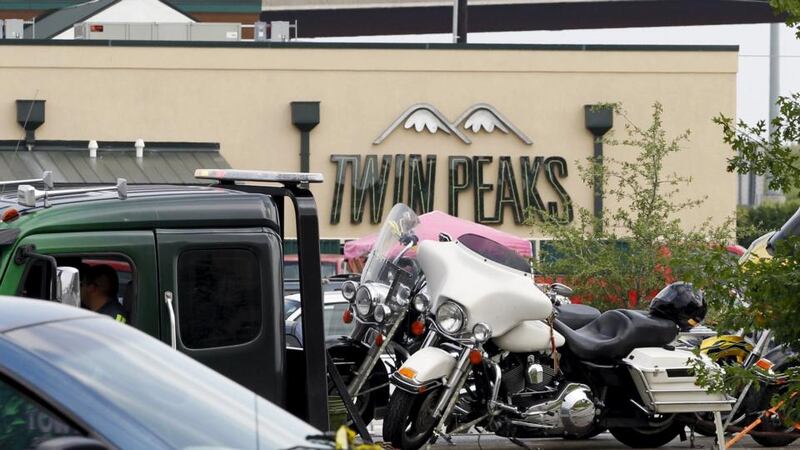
(644, 437)
(790, 434)
(409, 421)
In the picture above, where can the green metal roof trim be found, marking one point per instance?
(219, 6)
(38, 4)
(69, 165)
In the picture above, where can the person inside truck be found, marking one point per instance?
(99, 286)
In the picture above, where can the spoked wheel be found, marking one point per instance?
(409, 421)
(648, 437)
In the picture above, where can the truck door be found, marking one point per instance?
(225, 294)
(131, 253)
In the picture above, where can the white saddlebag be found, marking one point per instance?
(666, 384)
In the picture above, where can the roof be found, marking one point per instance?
(146, 207)
(165, 163)
(56, 21)
(223, 6)
(330, 18)
(18, 312)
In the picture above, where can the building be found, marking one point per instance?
(478, 131)
(768, 61)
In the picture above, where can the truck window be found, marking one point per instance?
(219, 296)
(36, 281)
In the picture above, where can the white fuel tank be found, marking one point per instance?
(529, 336)
(489, 292)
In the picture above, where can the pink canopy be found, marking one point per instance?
(435, 222)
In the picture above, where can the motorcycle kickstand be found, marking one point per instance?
(519, 443)
(436, 436)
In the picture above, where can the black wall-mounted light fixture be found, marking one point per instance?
(305, 116)
(599, 119)
(30, 116)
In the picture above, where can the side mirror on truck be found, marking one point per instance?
(69, 286)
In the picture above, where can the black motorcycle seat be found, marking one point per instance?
(614, 334)
(575, 315)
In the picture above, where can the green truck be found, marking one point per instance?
(199, 267)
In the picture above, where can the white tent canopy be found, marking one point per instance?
(141, 11)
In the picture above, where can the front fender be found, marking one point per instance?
(425, 369)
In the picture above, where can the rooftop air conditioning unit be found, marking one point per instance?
(13, 29)
(133, 31)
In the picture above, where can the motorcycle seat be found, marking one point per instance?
(575, 315)
(614, 334)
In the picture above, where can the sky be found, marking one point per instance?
(753, 41)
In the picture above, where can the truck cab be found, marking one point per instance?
(199, 267)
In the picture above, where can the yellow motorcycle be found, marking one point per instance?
(758, 350)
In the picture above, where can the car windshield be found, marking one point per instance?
(179, 400)
(290, 305)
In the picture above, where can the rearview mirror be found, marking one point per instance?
(69, 286)
(561, 289)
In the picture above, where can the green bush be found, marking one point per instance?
(754, 222)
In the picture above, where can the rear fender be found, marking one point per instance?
(424, 370)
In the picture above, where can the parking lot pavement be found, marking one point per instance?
(603, 441)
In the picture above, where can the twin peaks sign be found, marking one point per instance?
(414, 176)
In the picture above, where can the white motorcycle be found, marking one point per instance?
(497, 358)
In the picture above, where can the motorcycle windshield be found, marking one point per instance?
(390, 250)
(495, 251)
(789, 229)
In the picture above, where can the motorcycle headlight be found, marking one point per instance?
(482, 332)
(364, 301)
(450, 317)
(421, 302)
(368, 296)
(381, 313)
(403, 295)
(349, 289)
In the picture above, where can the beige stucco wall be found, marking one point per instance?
(240, 97)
